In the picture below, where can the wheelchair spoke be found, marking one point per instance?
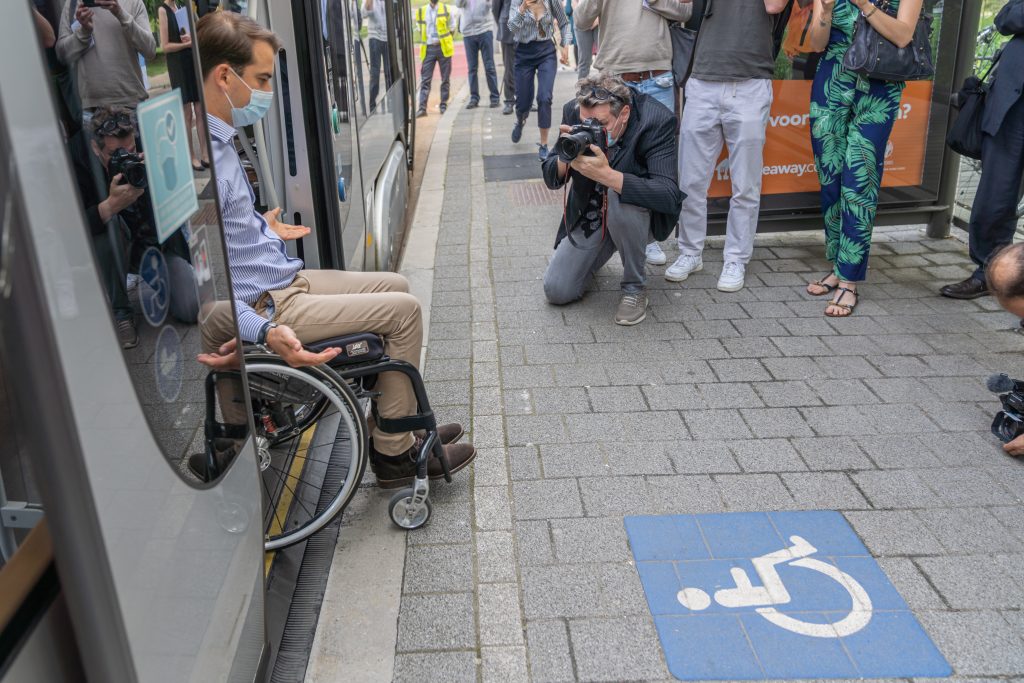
(273, 510)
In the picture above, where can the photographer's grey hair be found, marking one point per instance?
(612, 84)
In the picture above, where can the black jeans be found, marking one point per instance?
(434, 56)
(994, 213)
(379, 58)
(481, 46)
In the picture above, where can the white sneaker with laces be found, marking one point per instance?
(655, 256)
(683, 267)
(731, 279)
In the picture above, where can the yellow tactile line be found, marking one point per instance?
(285, 501)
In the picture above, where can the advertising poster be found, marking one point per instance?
(789, 163)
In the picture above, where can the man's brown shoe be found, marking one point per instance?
(396, 471)
(446, 434)
(971, 288)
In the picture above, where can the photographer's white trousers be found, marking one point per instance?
(735, 114)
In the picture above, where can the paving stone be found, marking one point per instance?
(674, 397)
(753, 492)
(528, 429)
(577, 590)
(438, 569)
(966, 486)
(420, 629)
(894, 532)
(450, 523)
(785, 394)
(969, 530)
(766, 423)
(801, 346)
(615, 496)
(897, 453)
(898, 418)
(499, 610)
(792, 368)
(533, 543)
(896, 489)
(739, 370)
(824, 491)
(554, 400)
(590, 540)
(495, 556)
(842, 392)
(899, 389)
(832, 453)
(550, 658)
(699, 457)
(616, 399)
(750, 347)
(563, 460)
(716, 424)
(493, 510)
(766, 455)
(688, 371)
(730, 395)
(911, 583)
(503, 664)
(546, 499)
(973, 582)
(837, 421)
(683, 494)
(435, 667)
(642, 426)
(617, 649)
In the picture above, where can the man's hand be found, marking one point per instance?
(565, 55)
(83, 15)
(1015, 447)
(225, 358)
(120, 196)
(113, 7)
(594, 167)
(284, 230)
(283, 342)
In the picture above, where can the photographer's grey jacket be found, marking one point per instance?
(476, 17)
(646, 156)
(1009, 80)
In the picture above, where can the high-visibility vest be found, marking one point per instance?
(443, 32)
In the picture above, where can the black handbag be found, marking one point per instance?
(684, 40)
(874, 56)
(965, 135)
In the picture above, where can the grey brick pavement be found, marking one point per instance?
(717, 402)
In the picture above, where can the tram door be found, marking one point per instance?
(112, 283)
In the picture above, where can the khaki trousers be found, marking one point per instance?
(320, 304)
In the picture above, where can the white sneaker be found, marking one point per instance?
(731, 279)
(655, 256)
(684, 265)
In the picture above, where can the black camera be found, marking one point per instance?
(129, 165)
(578, 140)
(1009, 422)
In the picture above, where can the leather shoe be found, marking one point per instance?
(971, 288)
(396, 471)
(507, 111)
(473, 104)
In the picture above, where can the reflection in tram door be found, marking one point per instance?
(380, 57)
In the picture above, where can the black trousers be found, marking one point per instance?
(508, 56)
(434, 56)
(379, 59)
(994, 214)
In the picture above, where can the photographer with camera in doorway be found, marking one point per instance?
(619, 149)
(1005, 278)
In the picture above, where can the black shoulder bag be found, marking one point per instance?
(874, 56)
(965, 135)
(684, 41)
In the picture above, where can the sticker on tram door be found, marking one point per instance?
(169, 365)
(155, 288)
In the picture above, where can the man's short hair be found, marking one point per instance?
(589, 92)
(1010, 285)
(112, 122)
(227, 38)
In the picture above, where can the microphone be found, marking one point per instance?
(1002, 383)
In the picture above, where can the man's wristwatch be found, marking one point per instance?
(265, 331)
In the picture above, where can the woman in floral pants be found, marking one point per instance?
(851, 118)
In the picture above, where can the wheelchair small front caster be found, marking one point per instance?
(410, 508)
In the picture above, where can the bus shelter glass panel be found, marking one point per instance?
(913, 155)
(137, 143)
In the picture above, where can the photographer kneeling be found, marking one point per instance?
(1005, 278)
(619, 148)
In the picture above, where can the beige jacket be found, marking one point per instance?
(633, 38)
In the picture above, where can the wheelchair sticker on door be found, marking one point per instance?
(774, 595)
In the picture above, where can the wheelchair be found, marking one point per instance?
(312, 435)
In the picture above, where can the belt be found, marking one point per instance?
(638, 76)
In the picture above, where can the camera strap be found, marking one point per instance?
(568, 228)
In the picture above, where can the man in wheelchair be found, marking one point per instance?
(279, 303)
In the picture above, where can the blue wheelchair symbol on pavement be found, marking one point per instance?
(169, 365)
(155, 294)
(774, 595)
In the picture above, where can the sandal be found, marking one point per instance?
(821, 283)
(837, 302)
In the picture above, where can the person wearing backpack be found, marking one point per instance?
(993, 214)
(728, 99)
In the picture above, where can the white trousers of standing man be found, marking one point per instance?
(735, 114)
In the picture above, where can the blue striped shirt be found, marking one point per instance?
(526, 28)
(257, 257)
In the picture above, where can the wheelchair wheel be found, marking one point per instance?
(311, 441)
(405, 513)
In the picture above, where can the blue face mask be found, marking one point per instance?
(259, 105)
(608, 138)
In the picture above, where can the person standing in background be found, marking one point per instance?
(500, 10)
(533, 24)
(437, 46)
(851, 119)
(584, 39)
(636, 46)
(377, 32)
(176, 43)
(728, 99)
(993, 214)
(478, 37)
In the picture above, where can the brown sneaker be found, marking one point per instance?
(396, 471)
(632, 308)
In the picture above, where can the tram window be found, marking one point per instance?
(138, 146)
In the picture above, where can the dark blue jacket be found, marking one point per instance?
(1009, 80)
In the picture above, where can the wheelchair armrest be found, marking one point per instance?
(355, 348)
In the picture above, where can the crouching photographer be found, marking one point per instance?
(1005, 278)
(619, 149)
(112, 183)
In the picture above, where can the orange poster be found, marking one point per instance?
(789, 163)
